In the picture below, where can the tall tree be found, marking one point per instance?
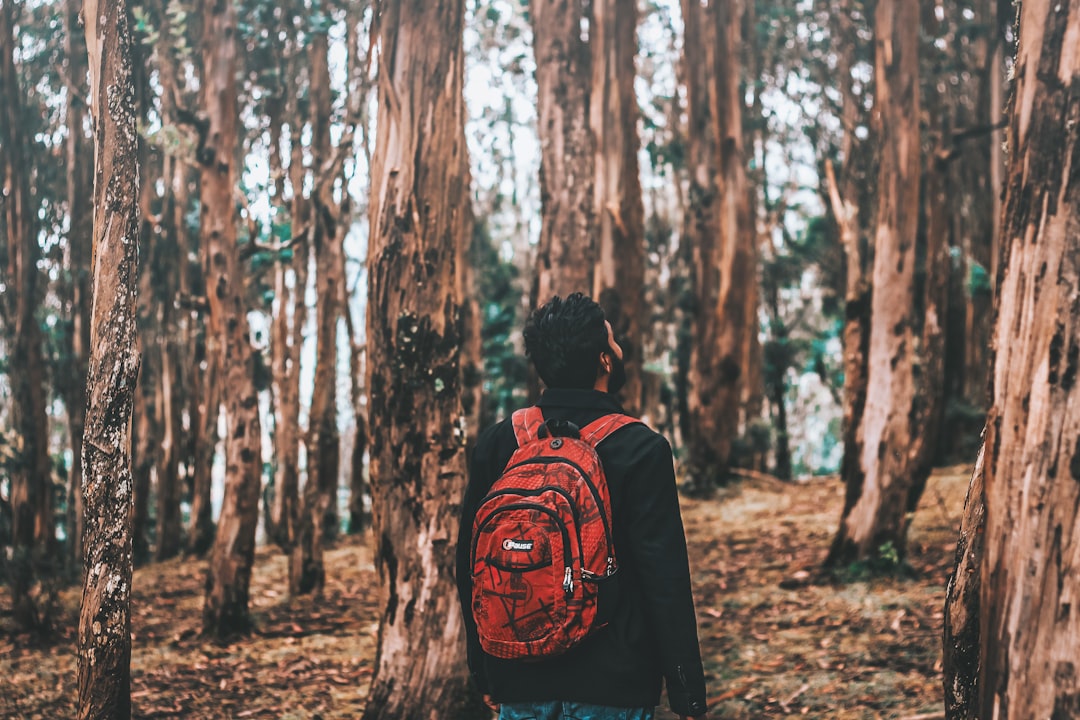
(620, 218)
(79, 155)
(1029, 628)
(105, 617)
(317, 518)
(418, 218)
(878, 517)
(720, 229)
(229, 574)
(30, 490)
(566, 253)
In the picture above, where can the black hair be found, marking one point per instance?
(564, 339)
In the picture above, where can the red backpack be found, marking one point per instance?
(541, 540)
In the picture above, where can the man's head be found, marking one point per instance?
(572, 346)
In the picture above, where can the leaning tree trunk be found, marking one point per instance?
(877, 521)
(566, 252)
(1030, 627)
(418, 217)
(105, 617)
(31, 477)
(620, 220)
(229, 575)
(960, 636)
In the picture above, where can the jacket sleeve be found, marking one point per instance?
(479, 471)
(658, 546)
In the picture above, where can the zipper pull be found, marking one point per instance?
(610, 566)
(568, 581)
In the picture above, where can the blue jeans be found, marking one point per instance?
(570, 711)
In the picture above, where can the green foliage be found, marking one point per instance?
(505, 371)
(978, 280)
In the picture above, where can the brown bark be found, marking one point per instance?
(33, 532)
(960, 637)
(981, 162)
(724, 237)
(79, 155)
(317, 517)
(878, 518)
(105, 617)
(567, 251)
(620, 215)
(418, 220)
(204, 410)
(845, 200)
(290, 317)
(1029, 626)
(229, 575)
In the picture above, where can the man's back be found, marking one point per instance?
(652, 631)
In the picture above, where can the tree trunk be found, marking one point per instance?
(80, 172)
(876, 523)
(620, 215)
(205, 408)
(845, 198)
(226, 609)
(960, 637)
(318, 517)
(981, 158)
(30, 490)
(566, 253)
(1029, 627)
(724, 235)
(105, 617)
(418, 219)
(290, 317)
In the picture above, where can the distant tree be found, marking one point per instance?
(317, 519)
(567, 250)
(1028, 627)
(620, 214)
(229, 574)
(105, 616)
(721, 234)
(289, 310)
(30, 494)
(79, 160)
(876, 517)
(418, 219)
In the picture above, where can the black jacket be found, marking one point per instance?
(653, 632)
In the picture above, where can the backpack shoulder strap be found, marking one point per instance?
(598, 430)
(527, 422)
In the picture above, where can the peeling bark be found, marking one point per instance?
(228, 579)
(418, 220)
(105, 618)
(1029, 625)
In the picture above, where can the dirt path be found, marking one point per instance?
(866, 649)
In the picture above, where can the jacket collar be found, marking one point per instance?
(584, 399)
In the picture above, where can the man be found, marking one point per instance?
(615, 673)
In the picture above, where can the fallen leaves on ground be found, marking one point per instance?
(778, 640)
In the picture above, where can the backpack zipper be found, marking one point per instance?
(548, 460)
(568, 558)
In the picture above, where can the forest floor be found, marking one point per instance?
(774, 647)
